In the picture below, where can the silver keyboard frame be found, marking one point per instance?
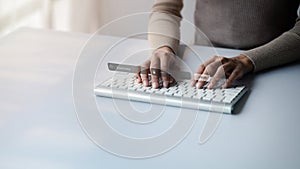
(160, 99)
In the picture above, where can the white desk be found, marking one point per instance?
(39, 128)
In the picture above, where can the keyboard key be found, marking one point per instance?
(169, 93)
(198, 97)
(150, 91)
(209, 92)
(159, 92)
(140, 89)
(123, 87)
(218, 99)
(228, 99)
(132, 88)
(178, 94)
(188, 95)
(164, 89)
(207, 98)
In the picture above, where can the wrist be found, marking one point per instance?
(247, 62)
(165, 49)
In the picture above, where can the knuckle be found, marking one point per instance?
(165, 78)
(215, 57)
(154, 57)
(221, 68)
(215, 79)
(223, 59)
(154, 66)
(208, 69)
(154, 78)
(156, 52)
(160, 53)
(166, 55)
(201, 67)
(235, 73)
(221, 71)
(164, 65)
(146, 63)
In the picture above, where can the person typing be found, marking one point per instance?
(268, 31)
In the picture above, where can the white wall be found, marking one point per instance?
(82, 16)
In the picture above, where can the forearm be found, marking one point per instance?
(164, 23)
(282, 50)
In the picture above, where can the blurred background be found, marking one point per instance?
(81, 15)
(73, 15)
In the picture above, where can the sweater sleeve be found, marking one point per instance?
(164, 24)
(282, 50)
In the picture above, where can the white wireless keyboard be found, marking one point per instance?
(180, 95)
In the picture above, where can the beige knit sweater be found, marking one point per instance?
(267, 30)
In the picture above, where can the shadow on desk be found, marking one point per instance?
(277, 68)
(247, 81)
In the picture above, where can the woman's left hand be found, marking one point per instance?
(219, 68)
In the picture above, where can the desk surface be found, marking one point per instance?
(39, 127)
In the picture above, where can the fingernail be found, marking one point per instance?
(165, 84)
(197, 76)
(198, 85)
(155, 85)
(193, 82)
(144, 83)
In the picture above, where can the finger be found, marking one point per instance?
(145, 72)
(208, 72)
(172, 81)
(155, 71)
(236, 73)
(173, 68)
(164, 66)
(166, 79)
(195, 79)
(155, 81)
(145, 78)
(220, 74)
(212, 68)
(207, 69)
(206, 63)
(200, 84)
(199, 77)
(138, 78)
(202, 79)
(165, 62)
(201, 68)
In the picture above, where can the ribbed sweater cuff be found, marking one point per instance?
(157, 42)
(282, 50)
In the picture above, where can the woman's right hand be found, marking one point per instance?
(159, 66)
